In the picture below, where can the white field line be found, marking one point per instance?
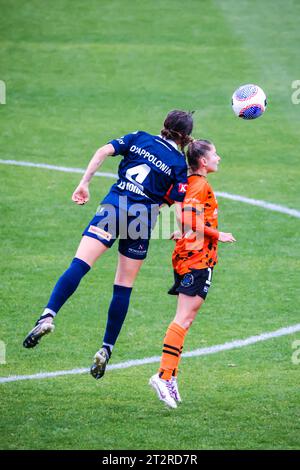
(240, 343)
(54, 167)
(257, 202)
(234, 197)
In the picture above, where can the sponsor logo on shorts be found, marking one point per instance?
(99, 232)
(188, 280)
(205, 289)
(137, 252)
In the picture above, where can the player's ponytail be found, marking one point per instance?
(178, 126)
(196, 150)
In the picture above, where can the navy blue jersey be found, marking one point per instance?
(149, 167)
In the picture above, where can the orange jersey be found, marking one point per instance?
(197, 249)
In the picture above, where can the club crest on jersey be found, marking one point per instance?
(188, 280)
(182, 187)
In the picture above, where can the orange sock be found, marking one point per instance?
(173, 344)
(175, 371)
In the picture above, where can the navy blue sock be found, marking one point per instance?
(116, 314)
(67, 284)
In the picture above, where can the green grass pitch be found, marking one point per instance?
(77, 74)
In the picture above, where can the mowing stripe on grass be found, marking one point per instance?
(240, 343)
(234, 197)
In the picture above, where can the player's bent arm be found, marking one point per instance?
(81, 194)
(201, 228)
(194, 220)
(211, 232)
(96, 161)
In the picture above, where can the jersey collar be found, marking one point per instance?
(171, 142)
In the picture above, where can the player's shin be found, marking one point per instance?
(172, 348)
(67, 284)
(116, 315)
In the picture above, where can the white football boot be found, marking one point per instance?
(163, 389)
(174, 390)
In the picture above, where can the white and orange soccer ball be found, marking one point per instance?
(249, 101)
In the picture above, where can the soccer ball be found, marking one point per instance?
(249, 101)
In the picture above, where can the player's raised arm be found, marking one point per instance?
(81, 194)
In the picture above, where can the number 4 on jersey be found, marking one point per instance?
(140, 172)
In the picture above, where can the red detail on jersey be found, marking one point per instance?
(182, 187)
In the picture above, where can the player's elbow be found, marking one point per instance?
(106, 150)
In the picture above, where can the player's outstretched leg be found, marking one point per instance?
(64, 288)
(164, 390)
(89, 250)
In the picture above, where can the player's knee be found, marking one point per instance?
(189, 317)
(184, 321)
(188, 322)
(124, 278)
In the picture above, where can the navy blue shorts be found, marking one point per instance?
(195, 282)
(111, 222)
